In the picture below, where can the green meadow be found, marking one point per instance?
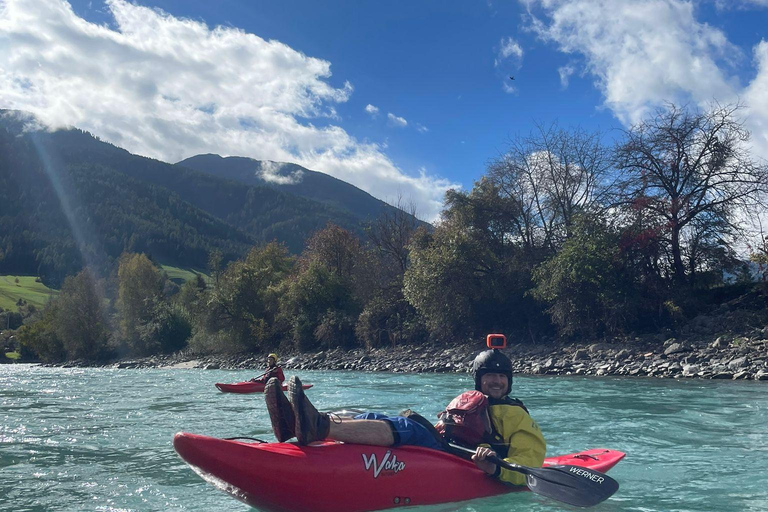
(26, 288)
(38, 294)
(182, 275)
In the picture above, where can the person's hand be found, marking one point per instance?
(480, 459)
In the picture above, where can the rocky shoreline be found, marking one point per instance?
(743, 357)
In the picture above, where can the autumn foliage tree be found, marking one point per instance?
(687, 175)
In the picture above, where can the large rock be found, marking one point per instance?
(676, 348)
(623, 354)
(738, 363)
(599, 347)
(690, 370)
(580, 354)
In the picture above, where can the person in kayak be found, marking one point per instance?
(515, 436)
(272, 371)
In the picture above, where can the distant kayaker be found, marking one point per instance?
(511, 432)
(272, 371)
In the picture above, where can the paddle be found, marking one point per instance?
(575, 485)
(258, 379)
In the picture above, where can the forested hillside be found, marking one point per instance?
(57, 216)
(294, 179)
(68, 199)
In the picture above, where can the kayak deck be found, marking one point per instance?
(338, 477)
(249, 387)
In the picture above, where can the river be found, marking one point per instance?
(100, 439)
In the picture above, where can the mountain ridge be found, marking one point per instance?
(52, 182)
(292, 178)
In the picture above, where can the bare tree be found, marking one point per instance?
(551, 175)
(692, 171)
(391, 233)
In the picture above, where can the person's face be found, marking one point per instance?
(271, 361)
(494, 384)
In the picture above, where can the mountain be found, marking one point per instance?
(293, 179)
(59, 211)
(260, 211)
(68, 199)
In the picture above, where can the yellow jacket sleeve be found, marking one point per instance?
(527, 446)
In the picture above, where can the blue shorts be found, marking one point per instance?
(405, 430)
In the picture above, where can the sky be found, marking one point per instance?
(404, 99)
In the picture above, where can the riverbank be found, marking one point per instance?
(743, 357)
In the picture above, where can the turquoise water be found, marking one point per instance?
(95, 439)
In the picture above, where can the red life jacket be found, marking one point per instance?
(465, 421)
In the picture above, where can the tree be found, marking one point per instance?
(466, 280)
(73, 325)
(40, 337)
(547, 178)
(80, 320)
(335, 248)
(319, 307)
(689, 173)
(244, 302)
(140, 290)
(340, 251)
(390, 234)
(583, 285)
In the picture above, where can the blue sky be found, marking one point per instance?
(290, 80)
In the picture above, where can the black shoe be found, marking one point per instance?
(280, 411)
(311, 425)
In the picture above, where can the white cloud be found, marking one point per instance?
(270, 171)
(170, 88)
(642, 53)
(373, 111)
(565, 73)
(740, 4)
(508, 47)
(421, 128)
(509, 59)
(756, 100)
(396, 121)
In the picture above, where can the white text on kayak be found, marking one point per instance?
(387, 464)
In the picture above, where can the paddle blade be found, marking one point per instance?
(581, 487)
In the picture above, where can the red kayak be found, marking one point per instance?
(249, 386)
(338, 477)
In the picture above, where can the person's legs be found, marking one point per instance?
(373, 432)
(310, 425)
(280, 411)
(370, 428)
(406, 431)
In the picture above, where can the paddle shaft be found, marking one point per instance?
(266, 372)
(496, 460)
(575, 485)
